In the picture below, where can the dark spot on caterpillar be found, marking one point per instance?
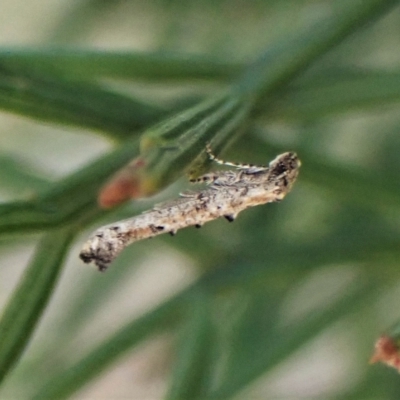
(280, 168)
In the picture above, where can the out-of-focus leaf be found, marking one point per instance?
(70, 199)
(19, 177)
(30, 298)
(192, 372)
(80, 18)
(268, 249)
(54, 99)
(177, 146)
(277, 344)
(326, 95)
(88, 64)
(171, 147)
(290, 57)
(365, 187)
(68, 382)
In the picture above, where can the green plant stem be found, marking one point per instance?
(19, 177)
(283, 343)
(70, 199)
(68, 382)
(89, 64)
(286, 60)
(170, 313)
(332, 92)
(54, 99)
(192, 370)
(30, 298)
(175, 144)
(54, 207)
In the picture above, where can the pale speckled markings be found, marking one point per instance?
(229, 193)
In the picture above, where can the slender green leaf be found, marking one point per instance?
(68, 382)
(63, 384)
(286, 60)
(88, 64)
(327, 95)
(365, 187)
(30, 298)
(71, 199)
(170, 148)
(192, 370)
(20, 177)
(282, 343)
(178, 144)
(336, 214)
(55, 99)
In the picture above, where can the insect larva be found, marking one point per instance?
(229, 193)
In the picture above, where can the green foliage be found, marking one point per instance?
(271, 287)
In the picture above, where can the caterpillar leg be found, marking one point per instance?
(251, 167)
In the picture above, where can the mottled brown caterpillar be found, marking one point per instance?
(229, 193)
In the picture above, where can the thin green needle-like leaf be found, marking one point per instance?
(286, 60)
(355, 185)
(375, 384)
(176, 145)
(168, 314)
(286, 342)
(68, 382)
(65, 383)
(55, 99)
(326, 95)
(30, 298)
(170, 148)
(366, 188)
(19, 177)
(70, 199)
(83, 307)
(88, 64)
(269, 249)
(192, 370)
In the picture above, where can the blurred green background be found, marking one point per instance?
(286, 302)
